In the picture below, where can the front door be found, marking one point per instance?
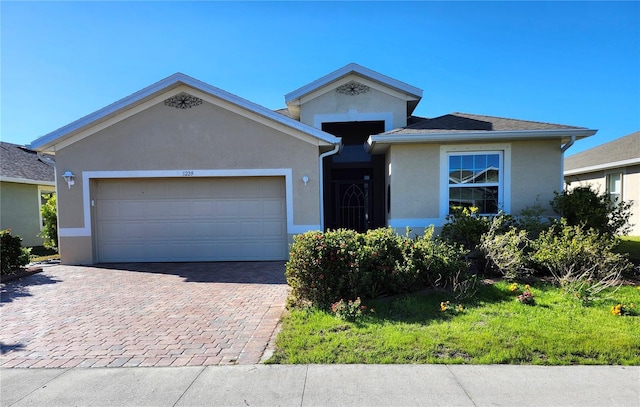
(353, 207)
(354, 179)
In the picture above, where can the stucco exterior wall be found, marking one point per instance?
(630, 188)
(536, 172)
(414, 181)
(354, 107)
(20, 205)
(533, 167)
(205, 137)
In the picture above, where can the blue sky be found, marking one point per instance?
(575, 63)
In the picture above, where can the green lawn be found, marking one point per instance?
(631, 245)
(492, 328)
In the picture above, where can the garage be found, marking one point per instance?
(190, 219)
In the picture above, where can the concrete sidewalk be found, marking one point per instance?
(324, 385)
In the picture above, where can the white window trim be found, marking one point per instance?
(504, 187)
(87, 176)
(622, 172)
(42, 189)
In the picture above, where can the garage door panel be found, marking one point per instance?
(195, 219)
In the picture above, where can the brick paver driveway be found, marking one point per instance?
(165, 314)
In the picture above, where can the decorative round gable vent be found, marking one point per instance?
(183, 101)
(352, 88)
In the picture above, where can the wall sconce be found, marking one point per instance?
(69, 178)
(305, 179)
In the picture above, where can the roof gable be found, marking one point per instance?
(19, 164)
(160, 89)
(410, 93)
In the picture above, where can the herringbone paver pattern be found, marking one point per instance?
(168, 314)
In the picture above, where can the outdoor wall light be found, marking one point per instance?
(305, 179)
(69, 178)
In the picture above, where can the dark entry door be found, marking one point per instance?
(353, 204)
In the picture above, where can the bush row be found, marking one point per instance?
(343, 264)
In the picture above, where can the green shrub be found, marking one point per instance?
(506, 252)
(321, 267)
(531, 220)
(464, 227)
(581, 261)
(438, 261)
(12, 255)
(383, 267)
(324, 268)
(584, 207)
(50, 218)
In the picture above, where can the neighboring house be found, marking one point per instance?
(612, 167)
(24, 179)
(184, 171)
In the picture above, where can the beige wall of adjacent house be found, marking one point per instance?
(374, 101)
(204, 137)
(630, 188)
(415, 179)
(20, 204)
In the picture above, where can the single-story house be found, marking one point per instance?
(184, 171)
(25, 178)
(612, 167)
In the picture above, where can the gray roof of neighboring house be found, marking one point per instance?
(464, 122)
(18, 162)
(620, 150)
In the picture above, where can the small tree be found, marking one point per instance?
(50, 218)
(584, 207)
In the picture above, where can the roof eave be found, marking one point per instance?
(380, 143)
(49, 140)
(27, 181)
(605, 166)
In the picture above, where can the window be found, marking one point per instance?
(475, 180)
(614, 187)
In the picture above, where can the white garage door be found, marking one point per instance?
(190, 219)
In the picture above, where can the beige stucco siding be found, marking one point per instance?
(414, 181)
(536, 173)
(630, 188)
(20, 205)
(353, 107)
(533, 168)
(205, 137)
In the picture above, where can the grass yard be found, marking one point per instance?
(631, 245)
(492, 328)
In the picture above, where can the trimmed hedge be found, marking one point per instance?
(343, 264)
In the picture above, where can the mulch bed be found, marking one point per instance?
(19, 274)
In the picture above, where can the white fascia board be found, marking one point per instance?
(175, 80)
(27, 181)
(383, 141)
(605, 166)
(289, 98)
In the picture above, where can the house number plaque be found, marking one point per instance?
(187, 173)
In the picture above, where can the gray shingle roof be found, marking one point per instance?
(20, 162)
(457, 122)
(620, 149)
